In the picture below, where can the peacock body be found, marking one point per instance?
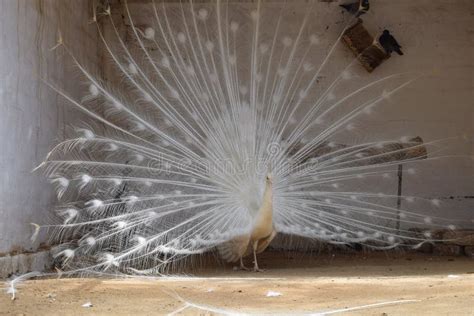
(174, 158)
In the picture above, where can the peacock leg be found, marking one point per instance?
(255, 266)
(242, 266)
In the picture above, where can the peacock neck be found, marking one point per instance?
(266, 208)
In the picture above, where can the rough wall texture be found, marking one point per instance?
(435, 34)
(32, 116)
(437, 38)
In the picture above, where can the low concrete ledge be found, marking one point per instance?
(457, 243)
(25, 262)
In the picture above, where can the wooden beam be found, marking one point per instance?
(364, 46)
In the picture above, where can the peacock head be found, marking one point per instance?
(269, 178)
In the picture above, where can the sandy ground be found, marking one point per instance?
(409, 284)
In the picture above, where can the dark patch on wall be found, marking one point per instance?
(17, 250)
(458, 197)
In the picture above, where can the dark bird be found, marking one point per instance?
(357, 8)
(389, 43)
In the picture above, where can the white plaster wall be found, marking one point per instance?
(437, 37)
(32, 117)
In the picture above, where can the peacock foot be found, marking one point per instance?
(240, 268)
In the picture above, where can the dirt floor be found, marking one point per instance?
(348, 284)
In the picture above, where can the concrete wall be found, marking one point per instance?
(437, 38)
(435, 34)
(32, 116)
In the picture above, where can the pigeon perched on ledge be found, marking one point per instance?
(389, 43)
(357, 8)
